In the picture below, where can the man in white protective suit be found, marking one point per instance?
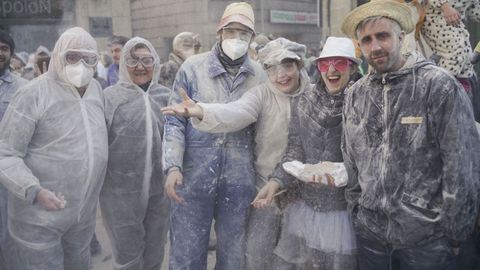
(53, 156)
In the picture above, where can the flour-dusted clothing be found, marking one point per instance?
(451, 43)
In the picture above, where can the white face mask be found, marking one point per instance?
(78, 74)
(234, 48)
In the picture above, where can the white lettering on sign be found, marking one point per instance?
(9, 8)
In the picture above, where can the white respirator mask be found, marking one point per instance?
(79, 74)
(234, 48)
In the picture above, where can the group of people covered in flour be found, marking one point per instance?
(379, 171)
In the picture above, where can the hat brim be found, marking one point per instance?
(277, 57)
(236, 18)
(390, 9)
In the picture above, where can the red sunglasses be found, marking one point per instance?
(340, 64)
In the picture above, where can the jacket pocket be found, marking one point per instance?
(419, 205)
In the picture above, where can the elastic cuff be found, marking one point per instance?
(31, 193)
(278, 181)
(173, 169)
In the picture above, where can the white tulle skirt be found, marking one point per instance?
(306, 232)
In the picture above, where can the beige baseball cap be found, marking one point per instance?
(240, 12)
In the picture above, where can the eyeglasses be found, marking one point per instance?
(285, 67)
(340, 64)
(231, 32)
(87, 57)
(147, 61)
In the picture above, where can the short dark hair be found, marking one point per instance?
(121, 40)
(7, 39)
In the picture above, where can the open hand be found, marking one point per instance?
(174, 179)
(451, 15)
(50, 201)
(266, 194)
(188, 107)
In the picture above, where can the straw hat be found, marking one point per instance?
(240, 12)
(339, 47)
(394, 10)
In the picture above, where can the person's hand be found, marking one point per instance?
(174, 179)
(50, 201)
(451, 15)
(325, 179)
(188, 107)
(266, 194)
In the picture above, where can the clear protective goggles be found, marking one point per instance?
(285, 67)
(89, 58)
(146, 61)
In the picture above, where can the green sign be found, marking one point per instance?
(291, 17)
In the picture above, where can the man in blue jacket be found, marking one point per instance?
(211, 176)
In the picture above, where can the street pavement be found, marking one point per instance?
(103, 261)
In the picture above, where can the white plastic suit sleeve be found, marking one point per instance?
(230, 117)
(16, 131)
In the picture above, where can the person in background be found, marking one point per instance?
(41, 64)
(102, 67)
(258, 43)
(115, 44)
(445, 32)
(9, 84)
(185, 45)
(18, 63)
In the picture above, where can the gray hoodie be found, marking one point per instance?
(412, 155)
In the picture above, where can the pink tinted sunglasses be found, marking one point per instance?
(340, 64)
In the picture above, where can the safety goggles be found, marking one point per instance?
(285, 67)
(340, 64)
(232, 32)
(89, 58)
(146, 61)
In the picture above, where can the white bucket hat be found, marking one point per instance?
(339, 47)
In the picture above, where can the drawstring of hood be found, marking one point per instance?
(414, 85)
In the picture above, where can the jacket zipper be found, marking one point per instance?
(386, 136)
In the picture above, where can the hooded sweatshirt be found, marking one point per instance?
(269, 108)
(314, 135)
(412, 155)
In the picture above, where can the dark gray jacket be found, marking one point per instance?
(314, 135)
(412, 155)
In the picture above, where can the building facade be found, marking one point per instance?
(305, 21)
(40, 22)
